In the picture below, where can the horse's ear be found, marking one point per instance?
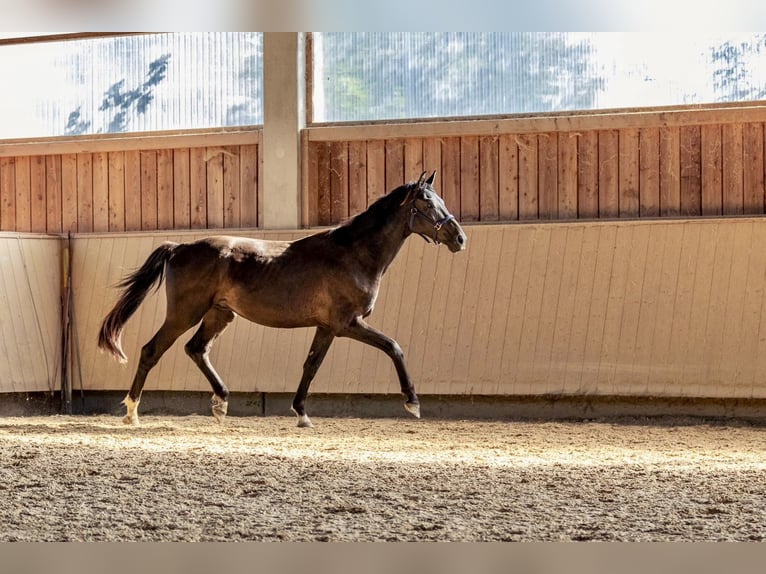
(421, 179)
(431, 179)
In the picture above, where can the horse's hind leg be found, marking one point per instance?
(319, 347)
(151, 353)
(198, 348)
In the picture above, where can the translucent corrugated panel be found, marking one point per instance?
(137, 83)
(376, 76)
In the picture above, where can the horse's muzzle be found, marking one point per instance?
(457, 237)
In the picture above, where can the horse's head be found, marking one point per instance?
(430, 218)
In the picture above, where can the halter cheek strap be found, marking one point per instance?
(437, 224)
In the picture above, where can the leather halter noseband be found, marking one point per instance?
(437, 224)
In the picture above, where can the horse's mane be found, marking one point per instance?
(374, 216)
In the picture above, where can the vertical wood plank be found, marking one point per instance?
(313, 184)
(548, 185)
(232, 207)
(432, 161)
(649, 172)
(39, 215)
(53, 193)
(753, 164)
(528, 176)
(132, 169)
(488, 178)
(710, 156)
(23, 194)
(338, 182)
(508, 179)
(587, 175)
(165, 205)
(670, 172)
(608, 173)
(7, 194)
(116, 190)
(84, 192)
(357, 177)
(567, 175)
(690, 170)
(628, 173)
(733, 176)
(451, 179)
(181, 189)
(100, 191)
(198, 187)
(69, 192)
(324, 190)
(376, 170)
(413, 158)
(215, 202)
(395, 164)
(469, 178)
(248, 181)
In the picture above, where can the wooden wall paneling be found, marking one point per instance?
(469, 178)
(649, 172)
(733, 169)
(198, 187)
(395, 175)
(690, 170)
(451, 176)
(313, 192)
(69, 212)
(432, 160)
(711, 165)
(567, 175)
(528, 177)
(100, 166)
(587, 175)
(548, 185)
(7, 194)
(37, 181)
(747, 373)
(339, 182)
(232, 188)
(628, 173)
(84, 195)
(132, 190)
(508, 178)
(165, 201)
(413, 159)
(23, 194)
(489, 170)
(324, 190)
(376, 170)
(215, 201)
(116, 190)
(753, 168)
(248, 179)
(53, 193)
(608, 173)
(182, 188)
(357, 177)
(670, 172)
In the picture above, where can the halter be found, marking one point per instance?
(437, 224)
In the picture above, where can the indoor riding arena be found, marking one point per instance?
(590, 361)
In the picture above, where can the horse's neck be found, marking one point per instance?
(383, 241)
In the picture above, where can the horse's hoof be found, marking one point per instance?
(413, 409)
(129, 420)
(220, 408)
(304, 422)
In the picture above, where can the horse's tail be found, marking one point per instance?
(136, 286)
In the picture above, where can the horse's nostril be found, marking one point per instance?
(460, 239)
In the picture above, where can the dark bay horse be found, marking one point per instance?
(328, 280)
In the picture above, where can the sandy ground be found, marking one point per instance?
(66, 478)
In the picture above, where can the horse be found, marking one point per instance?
(328, 280)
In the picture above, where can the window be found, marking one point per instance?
(131, 83)
(380, 76)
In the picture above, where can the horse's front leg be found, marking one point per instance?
(319, 347)
(361, 331)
